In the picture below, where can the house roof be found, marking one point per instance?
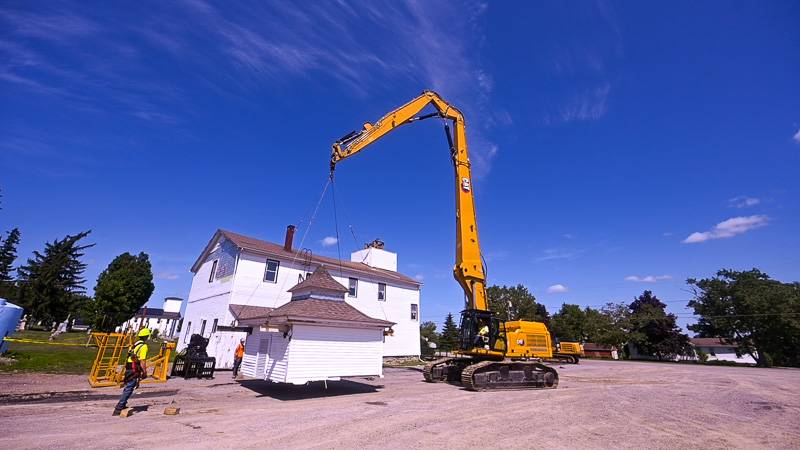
(157, 313)
(260, 246)
(711, 342)
(312, 310)
(321, 279)
(592, 347)
(247, 312)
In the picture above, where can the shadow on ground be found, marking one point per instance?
(77, 396)
(286, 392)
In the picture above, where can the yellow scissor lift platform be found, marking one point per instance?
(108, 368)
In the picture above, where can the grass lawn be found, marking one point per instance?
(44, 358)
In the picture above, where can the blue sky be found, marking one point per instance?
(616, 147)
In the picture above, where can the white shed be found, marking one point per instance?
(316, 336)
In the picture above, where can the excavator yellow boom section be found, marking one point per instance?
(468, 270)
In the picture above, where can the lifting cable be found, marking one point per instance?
(336, 225)
(296, 254)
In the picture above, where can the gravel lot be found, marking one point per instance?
(598, 404)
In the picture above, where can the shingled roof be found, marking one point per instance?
(313, 310)
(319, 279)
(247, 312)
(269, 248)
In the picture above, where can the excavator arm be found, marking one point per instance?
(469, 270)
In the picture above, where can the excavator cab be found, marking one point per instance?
(471, 338)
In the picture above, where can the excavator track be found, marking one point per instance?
(433, 370)
(508, 374)
(564, 358)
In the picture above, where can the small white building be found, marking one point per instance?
(166, 319)
(315, 336)
(716, 349)
(237, 274)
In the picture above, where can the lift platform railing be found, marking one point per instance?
(108, 368)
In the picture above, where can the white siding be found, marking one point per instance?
(248, 367)
(320, 353)
(222, 346)
(250, 288)
(278, 359)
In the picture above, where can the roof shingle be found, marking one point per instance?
(339, 311)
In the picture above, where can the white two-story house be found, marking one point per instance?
(239, 279)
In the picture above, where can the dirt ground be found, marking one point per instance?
(598, 404)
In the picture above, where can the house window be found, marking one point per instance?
(214, 326)
(414, 311)
(188, 331)
(271, 273)
(382, 292)
(202, 327)
(180, 325)
(352, 290)
(213, 271)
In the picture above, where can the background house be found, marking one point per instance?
(717, 350)
(238, 278)
(166, 319)
(592, 350)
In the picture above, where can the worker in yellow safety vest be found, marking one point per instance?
(135, 369)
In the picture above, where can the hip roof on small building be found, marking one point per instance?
(323, 311)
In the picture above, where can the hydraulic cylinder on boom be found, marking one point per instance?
(492, 354)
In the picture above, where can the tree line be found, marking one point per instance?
(50, 285)
(761, 316)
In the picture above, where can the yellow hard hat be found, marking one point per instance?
(145, 332)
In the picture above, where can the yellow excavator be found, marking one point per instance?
(492, 354)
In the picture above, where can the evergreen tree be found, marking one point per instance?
(653, 331)
(450, 332)
(51, 283)
(123, 288)
(8, 254)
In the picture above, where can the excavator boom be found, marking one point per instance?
(468, 270)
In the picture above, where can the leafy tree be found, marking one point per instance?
(51, 283)
(653, 331)
(515, 303)
(759, 314)
(612, 325)
(8, 254)
(449, 338)
(123, 288)
(427, 334)
(568, 323)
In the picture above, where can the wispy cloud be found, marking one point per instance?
(236, 50)
(167, 276)
(796, 137)
(743, 202)
(728, 228)
(419, 277)
(557, 289)
(329, 241)
(568, 254)
(591, 104)
(648, 278)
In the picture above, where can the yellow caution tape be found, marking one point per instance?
(32, 341)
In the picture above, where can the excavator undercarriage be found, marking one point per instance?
(477, 375)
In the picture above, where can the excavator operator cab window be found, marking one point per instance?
(479, 330)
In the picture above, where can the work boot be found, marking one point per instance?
(116, 412)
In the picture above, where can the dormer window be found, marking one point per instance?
(382, 292)
(352, 290)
